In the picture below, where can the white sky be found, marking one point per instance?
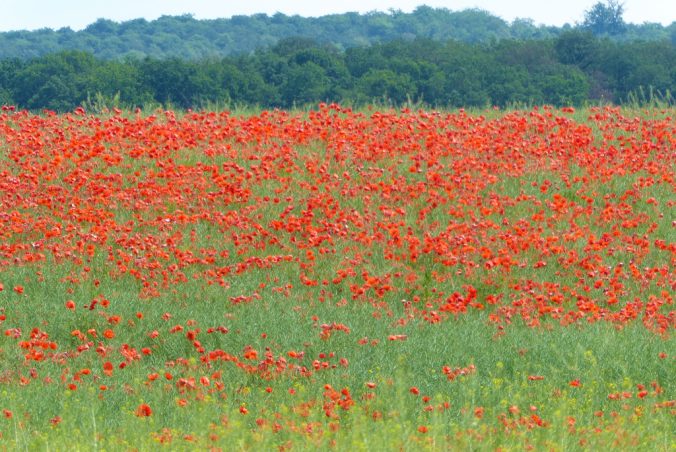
(77, 14)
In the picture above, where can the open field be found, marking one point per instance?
(362, 280)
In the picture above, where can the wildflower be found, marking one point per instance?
(143, 410)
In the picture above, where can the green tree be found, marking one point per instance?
(289, 46)
(169, 81)
(564, 85)
(576, 47)
(385, 84)
(605, 18)
(306, 83)
(57, 82)
(55, 94)
(359, 60)
(511, 85)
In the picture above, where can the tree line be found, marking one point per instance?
(187, 38)
(572, 69)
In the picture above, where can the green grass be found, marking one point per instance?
(517, 384)
(605, 360)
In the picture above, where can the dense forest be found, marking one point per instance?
(188, 38)
(590, 63)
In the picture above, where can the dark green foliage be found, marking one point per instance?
(605, 19)
(187, 38)
(577, 48)
(575, 68)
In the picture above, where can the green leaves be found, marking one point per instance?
(574, 69)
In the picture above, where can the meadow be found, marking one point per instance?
(357, 280)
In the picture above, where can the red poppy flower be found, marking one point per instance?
(143, 410)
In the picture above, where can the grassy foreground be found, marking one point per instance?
(390, 280)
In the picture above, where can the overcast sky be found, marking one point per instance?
(77, 14)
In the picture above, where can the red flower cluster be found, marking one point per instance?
(420, 216)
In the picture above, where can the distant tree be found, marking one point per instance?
(56, 94)
(564, 85)
(576, 47)
(169, 80)
(575, 68)
(360, 60)
(387, 85)
(5, 97)
(123, 79)
(509, 85)
(56, 81)
(605, 18)
(102, 26)
(531, 53)
(432, 86)
(8, 71)
(293, 44)
(188, 38)
(306, 83)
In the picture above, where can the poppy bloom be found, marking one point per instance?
(108, 368)
(144, 410)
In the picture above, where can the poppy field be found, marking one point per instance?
(358, 280)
